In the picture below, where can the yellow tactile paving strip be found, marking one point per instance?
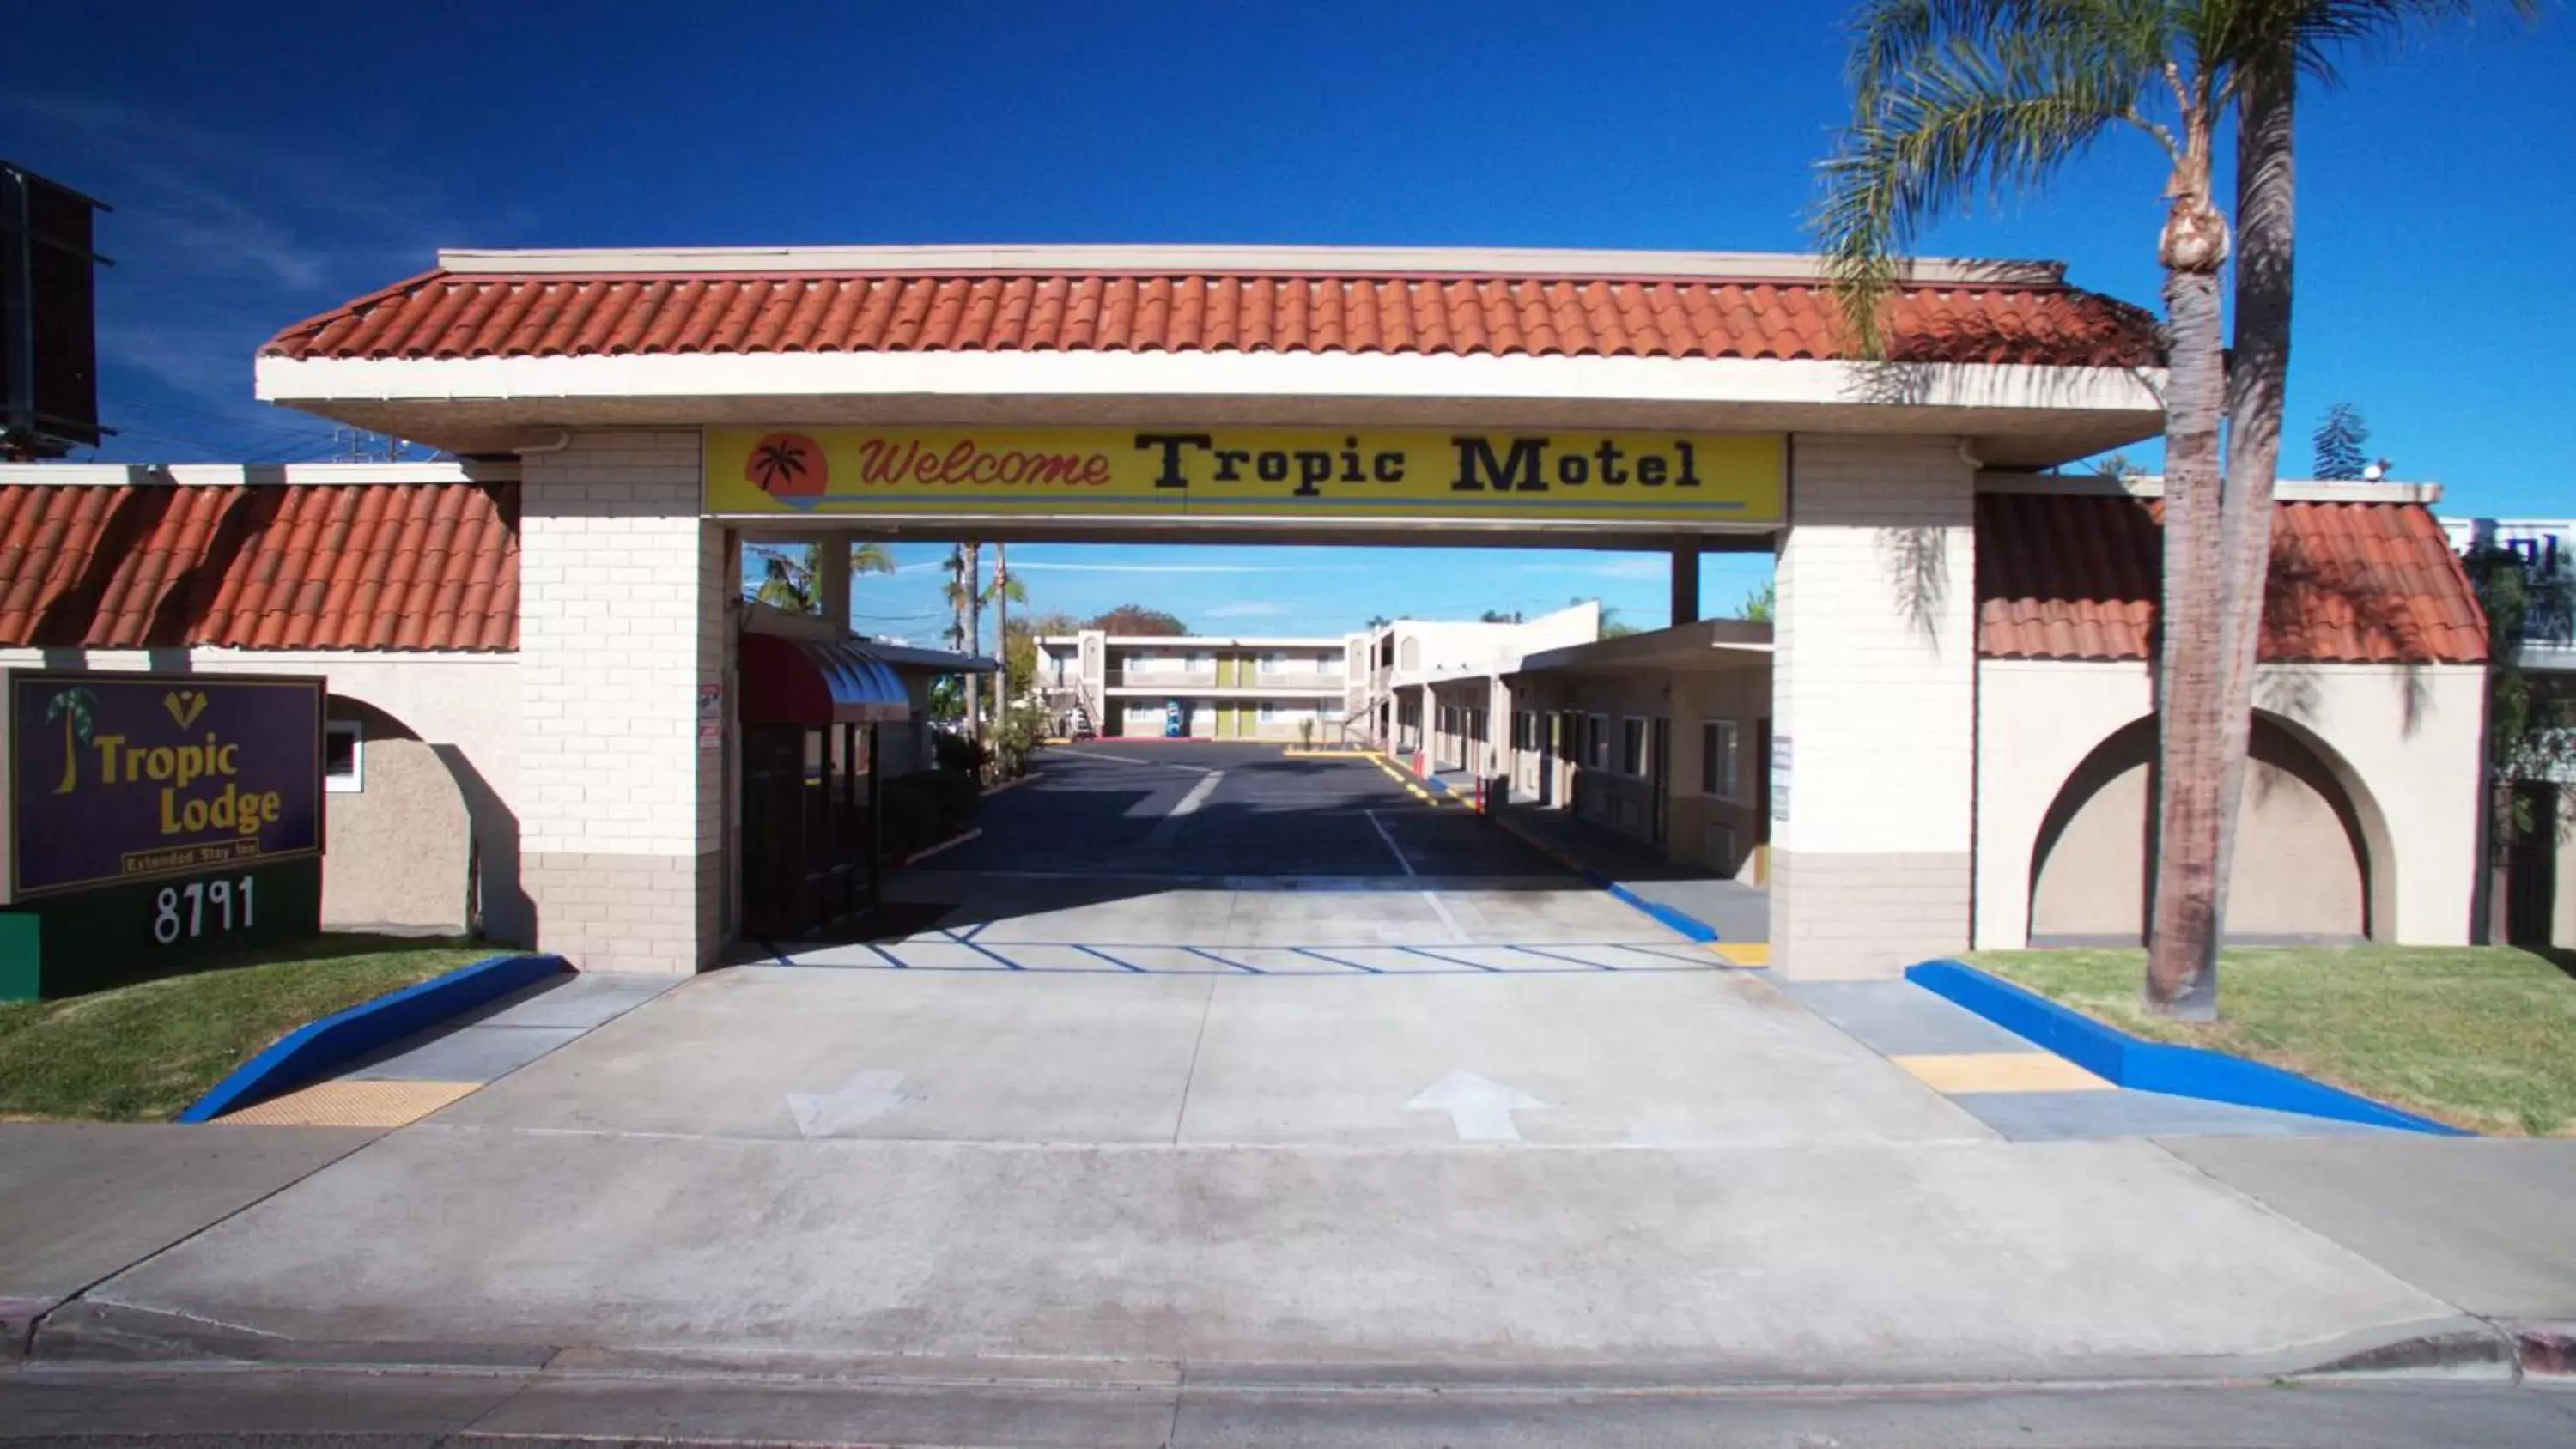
(353, 1104)
(1968, 1072)
(1742, 953)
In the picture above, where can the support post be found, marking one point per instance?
(832, 578)
(1686, 584)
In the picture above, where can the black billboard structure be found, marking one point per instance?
(48, 317)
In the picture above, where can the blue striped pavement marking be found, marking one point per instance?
(1577, 960)
(1453, 960)
(1105, 956)
(1220, 960)
(1320, 956)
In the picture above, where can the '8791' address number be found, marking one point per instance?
(183, 913)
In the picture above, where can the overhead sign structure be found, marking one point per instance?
(1664, 479)
(123, 777)
(156, 821)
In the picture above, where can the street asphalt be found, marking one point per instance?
(1217, 1068)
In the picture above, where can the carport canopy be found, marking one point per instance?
(817, 682)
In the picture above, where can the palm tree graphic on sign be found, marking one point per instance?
(78, 710)
(788, 467)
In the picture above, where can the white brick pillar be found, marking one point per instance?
(1874, 707)
(621, 620)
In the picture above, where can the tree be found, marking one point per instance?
(2115, 466)
(1958, 99)
(1054, 624)
(1377, 622)
(1137, 619)
(2339, 441)
(1497, 616)
(1756, 608)
(965, 594)
(2531, 728)
(788, 573)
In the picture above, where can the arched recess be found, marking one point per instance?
(2313, 860)
(416, 840)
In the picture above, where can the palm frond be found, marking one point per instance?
(2311, 33)
(1974, 116)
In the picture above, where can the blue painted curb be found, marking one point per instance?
(316, 1048)
(1682, 921)
(2149, 1066)
(1687, 924)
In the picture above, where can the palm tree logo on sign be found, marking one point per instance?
(788, 467)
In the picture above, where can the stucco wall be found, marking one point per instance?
(2297, 873)
(462, 713)
(2403, 742)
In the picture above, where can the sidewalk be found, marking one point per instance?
(1737, 912)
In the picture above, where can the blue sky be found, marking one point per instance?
(271, 160)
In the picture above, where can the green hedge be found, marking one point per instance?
(926, 808)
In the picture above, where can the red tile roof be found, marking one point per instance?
(2063, 576)
(273, 566)
(451, 315)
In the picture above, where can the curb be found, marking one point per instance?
(105, 1336)
(2147, 1066)
(313, 1050)
(1684, 922)
(1015, 782)
(954, 840)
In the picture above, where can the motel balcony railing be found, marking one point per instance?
(1206, 679)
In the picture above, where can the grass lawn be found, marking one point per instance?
(143, 1053)
(2482, 1037)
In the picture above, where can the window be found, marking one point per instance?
(1632, 746)
(1596, 741)
(1717, 746)
(344, 757)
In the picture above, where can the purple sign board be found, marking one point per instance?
(123, 778)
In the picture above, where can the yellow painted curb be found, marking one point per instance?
(1963, 1072)
(1742, 953)
(350, 1103)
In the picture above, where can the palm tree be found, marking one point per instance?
(788, 573)
(1956, 99)
(77, 708)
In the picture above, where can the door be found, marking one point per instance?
(2531, 868)
(1659, 774)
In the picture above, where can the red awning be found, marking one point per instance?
(796, 682)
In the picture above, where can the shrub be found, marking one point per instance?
(927, 807)
(1016, 738)
(957, 752)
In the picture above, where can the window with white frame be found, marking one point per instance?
(1717, 763)
(1632, 746)
(344, 757)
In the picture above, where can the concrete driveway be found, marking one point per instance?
(1104, 1120)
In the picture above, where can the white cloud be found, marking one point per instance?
(1638, 566)
(1153, 568)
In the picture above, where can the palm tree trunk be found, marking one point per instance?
(71, 765)
(2258, 376)
(2182, 939)
(1002, 631)
(974, 636)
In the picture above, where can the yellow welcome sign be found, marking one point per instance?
(1673, 479)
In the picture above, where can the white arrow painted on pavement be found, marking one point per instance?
(1481, 1109)
(856, 1102)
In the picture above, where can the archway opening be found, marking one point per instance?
(2305, 868)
